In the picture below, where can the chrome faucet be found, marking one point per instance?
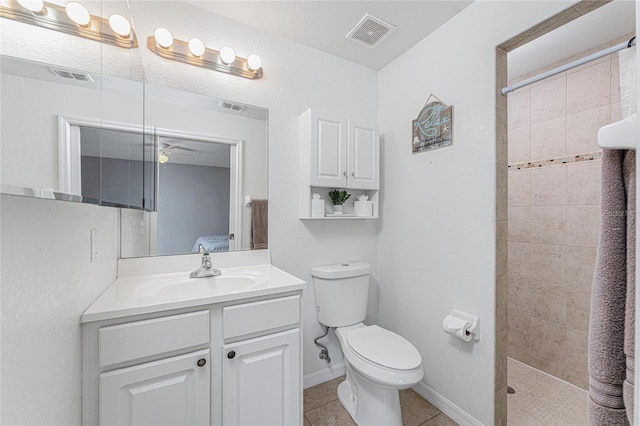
(206, 269)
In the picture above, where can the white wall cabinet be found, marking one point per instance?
(363, 156)
(342, 152)
(229, 364)
(327, 139)
(337, 152)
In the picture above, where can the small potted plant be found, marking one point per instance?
(338, 198)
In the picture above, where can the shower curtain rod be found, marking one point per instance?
(592, 57)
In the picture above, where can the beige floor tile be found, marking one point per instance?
(440, 420)
(542, 400)
(321, 407)
(321, 394)
(415, 409)
(330, 414)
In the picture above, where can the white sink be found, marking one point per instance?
(147, 285)
(230, 282)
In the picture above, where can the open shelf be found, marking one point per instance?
(305, 203)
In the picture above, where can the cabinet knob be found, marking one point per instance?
(353, 174)
(231, 354)
(344, 173)
(201, 362)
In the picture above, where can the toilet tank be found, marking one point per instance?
(342, 293)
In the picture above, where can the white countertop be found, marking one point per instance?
(136, 291)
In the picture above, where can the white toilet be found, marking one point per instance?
(379, 362)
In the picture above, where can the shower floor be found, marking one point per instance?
(542, 399)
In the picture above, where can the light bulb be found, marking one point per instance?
(163, 37)
(227, 55)
(254, 62)
(120, 25)
(32, 5)
(78, 13)
(163, 158)
(196, 47)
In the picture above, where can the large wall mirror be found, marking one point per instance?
(181, 167)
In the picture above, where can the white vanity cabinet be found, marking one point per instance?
(172, 391)
(231, 363)
(261, 363)
(337, 152)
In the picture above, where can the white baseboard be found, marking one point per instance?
(456, 413)
(324, 375)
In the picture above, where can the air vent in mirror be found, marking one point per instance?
(71, 75)
(234, 107)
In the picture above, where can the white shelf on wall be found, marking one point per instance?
(305, 203)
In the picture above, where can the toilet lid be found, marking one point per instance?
(384, 347)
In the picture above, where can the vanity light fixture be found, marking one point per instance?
(227, 55)
(254, 62)
(163, 37)
(78, 13)
(74, 19)
(36, 6)
(120, 25)
(196, 47)
(194, 52)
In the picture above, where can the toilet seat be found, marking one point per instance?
(371, 367)
(384, 348)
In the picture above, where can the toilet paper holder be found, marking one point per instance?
(462, 325)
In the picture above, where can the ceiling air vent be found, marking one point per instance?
(71, 75)
(370, 31)
(233, 107)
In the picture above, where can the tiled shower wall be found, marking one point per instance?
(554, 208)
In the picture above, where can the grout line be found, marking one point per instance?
(428, 420)
(320, 406)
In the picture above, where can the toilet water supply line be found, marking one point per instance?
(324, 352)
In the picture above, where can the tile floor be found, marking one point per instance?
(540, 400)
(321, 407)
(543, 400)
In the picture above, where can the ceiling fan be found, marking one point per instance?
(166, 148)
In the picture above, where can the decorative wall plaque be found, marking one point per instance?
(433, 128)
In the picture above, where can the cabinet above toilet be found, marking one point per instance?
(337, 152)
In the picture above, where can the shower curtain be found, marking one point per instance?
(611, 328)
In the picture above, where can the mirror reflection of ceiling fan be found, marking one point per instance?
(167, 148)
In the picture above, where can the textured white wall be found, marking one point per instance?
(436, 247)
(47, 282)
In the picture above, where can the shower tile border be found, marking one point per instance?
(568, 159)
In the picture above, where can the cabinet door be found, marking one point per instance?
(328, 150)
(172, 391)
(261, 381)
(364, 156)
